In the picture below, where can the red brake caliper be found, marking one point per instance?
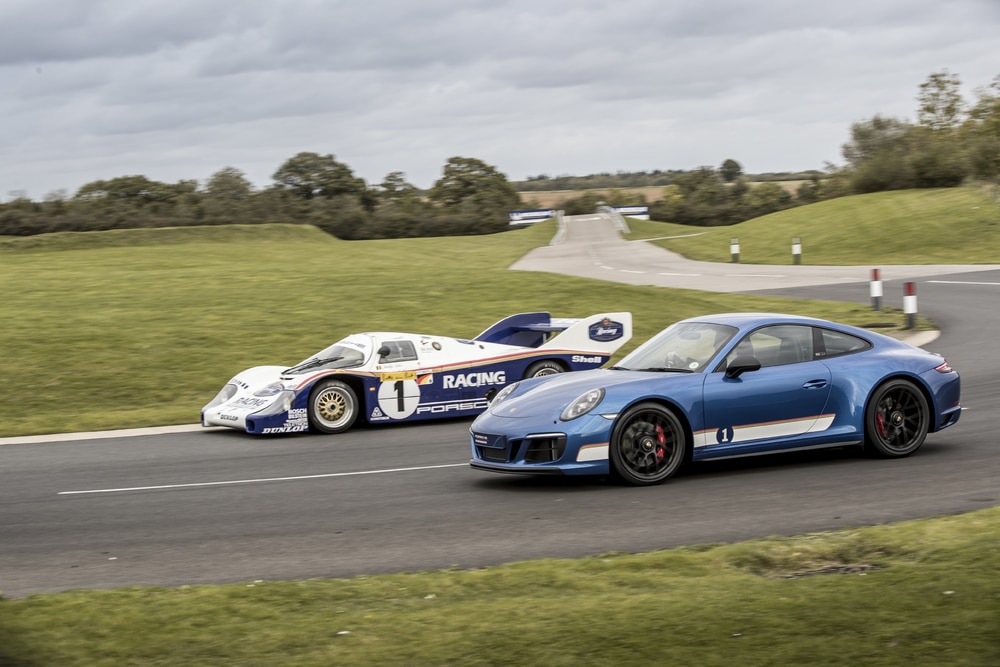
(880, 425)
(661, 442)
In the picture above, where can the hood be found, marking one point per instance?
(549, 395)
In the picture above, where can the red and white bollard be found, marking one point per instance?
(875, 290)
(910, 304)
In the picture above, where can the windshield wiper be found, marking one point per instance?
(618, 368)
(664, 369)
(311, 363)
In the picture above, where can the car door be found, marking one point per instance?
(398, 372)
(769, 408)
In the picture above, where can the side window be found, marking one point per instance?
(399, 350)
(776, 345)
(835, 343)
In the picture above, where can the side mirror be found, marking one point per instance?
(741, 365)
(384, 352)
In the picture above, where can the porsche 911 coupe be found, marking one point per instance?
(720, 386)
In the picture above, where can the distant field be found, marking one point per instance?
(943, 226)
(142, 327)
(553, 198)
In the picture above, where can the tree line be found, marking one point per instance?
(951, 142)
(471, 197)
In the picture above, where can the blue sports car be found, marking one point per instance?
(721, 386)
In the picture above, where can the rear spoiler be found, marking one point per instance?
(600, 333)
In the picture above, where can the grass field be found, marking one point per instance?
(949, 226)
(921, 593)
(142, 327)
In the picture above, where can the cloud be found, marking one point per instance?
(98, 89)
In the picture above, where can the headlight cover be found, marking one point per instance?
(282, 403)
(582, 404)
(504, 393)
(224, 395)
(270, 390)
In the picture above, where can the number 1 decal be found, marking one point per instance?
(399, 399)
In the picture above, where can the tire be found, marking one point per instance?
(648, 445)
(333, 407)
(896, 420)
(542, 368)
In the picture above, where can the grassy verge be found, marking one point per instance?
(141, 327)
(948, 226)
(918, 593)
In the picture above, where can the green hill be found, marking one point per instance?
(941, 226)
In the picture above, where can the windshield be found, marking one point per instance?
(347, 353)
(682, 347)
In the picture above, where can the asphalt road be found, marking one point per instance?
(220, 506)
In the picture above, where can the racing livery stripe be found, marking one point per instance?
(595, 452)
(512, 357)
(451, 368)
(763, 430)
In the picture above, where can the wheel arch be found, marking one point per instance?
(355, 382)
(916, 381)
(673, 407)
(552, 360)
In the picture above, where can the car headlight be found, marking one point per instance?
(224, 395)
(504, 393)
(282, 403)
(582, 404)
(270, 390)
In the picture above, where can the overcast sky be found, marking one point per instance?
(178, 89)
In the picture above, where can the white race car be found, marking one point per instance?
(391, 377)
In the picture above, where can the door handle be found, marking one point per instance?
(814, 384)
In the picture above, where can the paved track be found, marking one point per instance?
(219, 506)
(592, 248)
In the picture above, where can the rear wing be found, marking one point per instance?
(601, 333)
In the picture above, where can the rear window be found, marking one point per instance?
(835, 344)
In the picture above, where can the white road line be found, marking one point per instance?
(97, 435)
(693, 275)
(631, 271)
(756, 275)
(961, 282)
(263, 479)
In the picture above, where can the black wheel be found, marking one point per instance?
(648, 444)
(333, 407)
(896, 420)
(542, 368)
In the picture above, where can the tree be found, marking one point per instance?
(871, 137)
(227, 195)
(940, 101)
(730, 170)
(476, 191)
(765, 198)
(309, 175)
(982, 134)
(229, 185)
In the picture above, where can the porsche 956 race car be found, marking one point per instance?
(391, 377)
(721, 386)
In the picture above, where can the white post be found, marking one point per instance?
(875, 290)
(910, 304)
